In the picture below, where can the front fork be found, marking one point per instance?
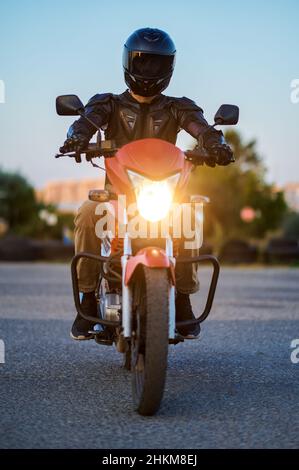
(127, 291)
(169, 253)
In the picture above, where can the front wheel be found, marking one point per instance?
(149, 344)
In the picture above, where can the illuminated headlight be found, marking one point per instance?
(154, 198)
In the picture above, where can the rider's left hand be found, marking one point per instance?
(220, 154)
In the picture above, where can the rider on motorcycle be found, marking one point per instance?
(140, 112)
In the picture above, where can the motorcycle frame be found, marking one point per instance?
(126, 323)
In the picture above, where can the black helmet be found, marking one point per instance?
(148, 61)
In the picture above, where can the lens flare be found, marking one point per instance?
(154, 198)
(154, 201)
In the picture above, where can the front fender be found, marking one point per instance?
(151, 257)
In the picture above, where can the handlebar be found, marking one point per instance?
(93, 151)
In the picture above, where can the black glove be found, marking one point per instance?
(220, 154)
(75, 143)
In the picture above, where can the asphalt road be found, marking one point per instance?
(237, 387)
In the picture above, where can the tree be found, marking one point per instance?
(24, 214)
(17, 200)
(231, 188)
(291, 225)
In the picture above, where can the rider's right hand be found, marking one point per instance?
(76, 143)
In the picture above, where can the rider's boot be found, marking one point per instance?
(81, 327)
(184, 312)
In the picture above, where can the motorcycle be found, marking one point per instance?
(136, 287)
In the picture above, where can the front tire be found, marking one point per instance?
(149, 344)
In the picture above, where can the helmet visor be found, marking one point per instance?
(149, 66)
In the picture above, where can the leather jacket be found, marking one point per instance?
(123, 119)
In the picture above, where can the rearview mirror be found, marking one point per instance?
(69, 105)
(227, 114)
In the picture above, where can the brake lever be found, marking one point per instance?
(90, 153)
(60, 155)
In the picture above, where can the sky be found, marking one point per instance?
(244, 53)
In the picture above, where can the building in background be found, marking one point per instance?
(68, 195)
(291, 194)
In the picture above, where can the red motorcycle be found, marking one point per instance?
(136, 288)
